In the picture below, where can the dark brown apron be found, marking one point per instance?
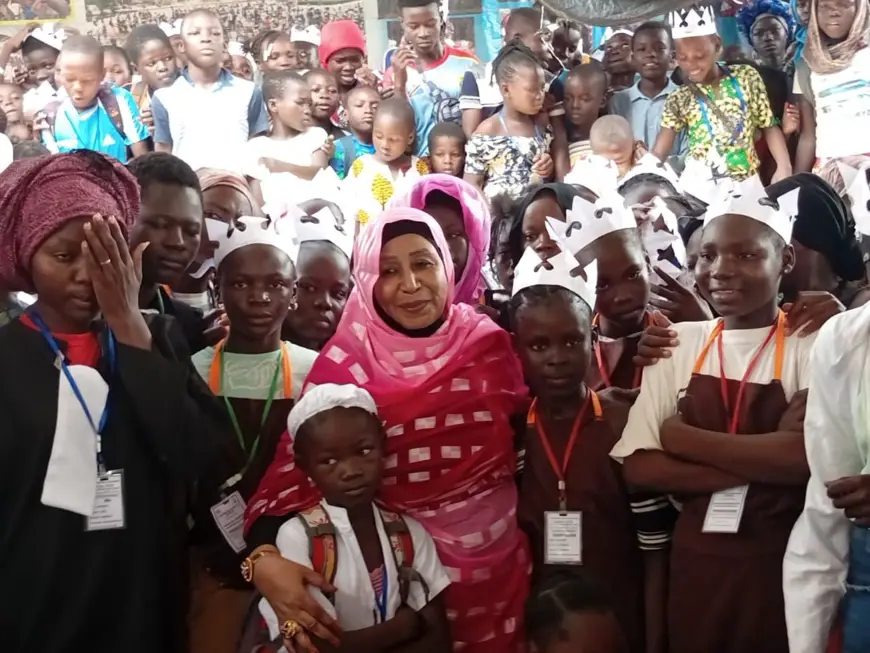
(725, 590)
(614, 363)
(595, 487)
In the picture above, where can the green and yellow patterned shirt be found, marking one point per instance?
(683, 110)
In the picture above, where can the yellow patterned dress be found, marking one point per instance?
(741, 100)
(371, 184)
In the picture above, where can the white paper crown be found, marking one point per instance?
(559, 270)
(692, 21)
(749, 198)
(172, 29)
(308, 35)
(50, 35)
(858, 191)
(256, 231)
(650, 164)
(586, 222)
(661, 239)
(705, 179)
(323, 226)
(596, 173)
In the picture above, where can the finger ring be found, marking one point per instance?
(290, 628)
(106, 262)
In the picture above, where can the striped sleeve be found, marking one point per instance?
(654, 518)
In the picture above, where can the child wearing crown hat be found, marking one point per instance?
(721, 422)
(721, 107)
(573, 503)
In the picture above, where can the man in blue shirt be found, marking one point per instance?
(91, 116)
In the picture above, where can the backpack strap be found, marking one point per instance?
(321, 543)
(110, 103)
(402, 546)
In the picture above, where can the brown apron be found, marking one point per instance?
(614, 362)
(595, 487)
(725, 590)
(220, 598)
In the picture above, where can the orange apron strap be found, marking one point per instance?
(214, 370)
(287, 370)
(596, 405)
(779, 352)
(703, 356)
(532, 415)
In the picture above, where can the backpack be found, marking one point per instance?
(324, 560)
(105, 96)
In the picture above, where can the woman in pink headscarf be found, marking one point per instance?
(446, 383)
(463, 215)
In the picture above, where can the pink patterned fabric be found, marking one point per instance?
(446, 402)
(475, 213)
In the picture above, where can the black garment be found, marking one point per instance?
(62, 589)
(191, 320)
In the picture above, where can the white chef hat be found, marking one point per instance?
(327, 396)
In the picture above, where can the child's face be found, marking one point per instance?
(553, 339)
(241, 67)
(203, 41)
(304, 55)
(391, 136)
(116, 69)
(617, 55)
(170, 219)
(584, 99)
(279, 55)
(362, 105)
(18, 132)
(447, 156)
(257, 286)
(12, 102)
(324, 96)
(450, 219)
(344, 456)
(835, 17)
(651, 53)
(588, 632)
(618, 150)
(40, 65)
(81, 75)
(696, 57)
(322, 289)
(157, 64)
(623, 277)
(534, 227)
(525, 92)
(504, 266)
(769, 38)
(293, 110)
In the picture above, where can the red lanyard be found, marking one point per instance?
(602, 365)
(778, 331)
(592, 398)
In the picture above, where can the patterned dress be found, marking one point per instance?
(725, 117)
(505, 162)
(371, 184)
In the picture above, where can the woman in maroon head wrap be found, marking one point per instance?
(100, 421)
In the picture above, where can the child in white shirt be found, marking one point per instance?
(293, 146)
(381, 604)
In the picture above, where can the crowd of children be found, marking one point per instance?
(548, 353)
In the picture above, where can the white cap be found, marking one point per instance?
(692, 21)
(650, 164)
(559, 270)
(256, 231)
(749, 198)
(858, 191)
(308, 35)
(172, 29)
(596, 173)
(586, 222)
(609, 33)
(327, 396)
(50, 35)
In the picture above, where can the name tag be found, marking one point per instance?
(108, 511)
(229, 515)
(725, 510)
(563, 538)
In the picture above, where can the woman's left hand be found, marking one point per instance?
(116, 275)
(543, 165)
(809, 312)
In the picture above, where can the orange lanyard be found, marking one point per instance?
(602, 365)
(777, 331)
(214, 371)
(592, 398)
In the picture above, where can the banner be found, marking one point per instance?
(612, 12)
(21, 12)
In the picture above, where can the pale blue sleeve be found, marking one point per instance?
(162, 133)
(134, 129)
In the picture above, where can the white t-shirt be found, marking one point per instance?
(664, 382)
(297, 150)
(842, 103)
(355, 606)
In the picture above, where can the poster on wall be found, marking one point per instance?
(21, 12)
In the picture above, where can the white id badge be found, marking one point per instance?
(229, 515)
(108, 511)
(725, 510)
(563, 538)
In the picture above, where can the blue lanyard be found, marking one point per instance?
(739, 127)
(381, 599)
(98, 428)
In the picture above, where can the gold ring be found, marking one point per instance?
(290, 628)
